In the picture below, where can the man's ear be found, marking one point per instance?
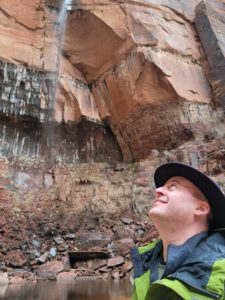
(202, 208)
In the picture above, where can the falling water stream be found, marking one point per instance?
(51, 103)
(62, 23)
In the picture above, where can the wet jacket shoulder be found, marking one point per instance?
(195, 270)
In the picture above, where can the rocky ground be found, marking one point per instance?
(96, 248)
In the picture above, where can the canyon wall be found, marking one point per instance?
(151, 72)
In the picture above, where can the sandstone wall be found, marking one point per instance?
(32, 77)
(145, 72)
(211, 24)
(149, 74)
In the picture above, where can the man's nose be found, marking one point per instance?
(160, 191)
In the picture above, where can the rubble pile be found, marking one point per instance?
(95, 250)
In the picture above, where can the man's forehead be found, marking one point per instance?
(177, 178)
(181, 180)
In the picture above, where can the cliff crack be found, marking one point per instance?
(193, 92)
(16, 21)
(180, 15)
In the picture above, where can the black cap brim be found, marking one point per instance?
(206, 185)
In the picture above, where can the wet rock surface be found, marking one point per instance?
(83, 142)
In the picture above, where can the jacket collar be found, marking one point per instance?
(176, 255)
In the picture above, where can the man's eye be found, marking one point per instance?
(172, 186)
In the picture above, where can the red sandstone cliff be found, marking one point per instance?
(153, 71)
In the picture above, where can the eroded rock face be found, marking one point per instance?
(32, 77)
(211, 23)
(142, 71)
(148, 82)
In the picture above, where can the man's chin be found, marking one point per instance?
(155, 211)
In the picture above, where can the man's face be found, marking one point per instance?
(175, 201)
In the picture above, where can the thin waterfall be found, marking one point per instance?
(51, 103)
(62, 25)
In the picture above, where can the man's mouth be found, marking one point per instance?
(159, 201)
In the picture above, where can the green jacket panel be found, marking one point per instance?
(216, 281)
(170, 289)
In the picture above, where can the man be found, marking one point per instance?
(188, 262)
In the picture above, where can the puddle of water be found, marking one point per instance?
(78, 290)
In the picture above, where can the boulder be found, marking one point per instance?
(50, 269)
